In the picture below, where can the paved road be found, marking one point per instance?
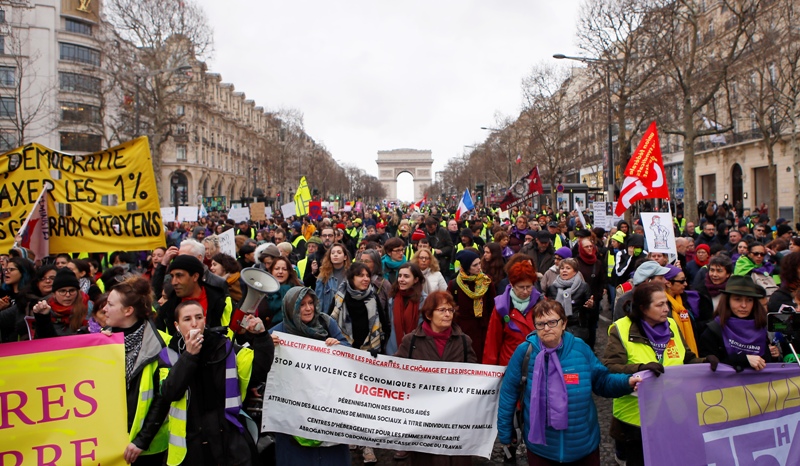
(603, 408)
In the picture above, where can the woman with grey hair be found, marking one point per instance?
(211, 244)
(574, 294)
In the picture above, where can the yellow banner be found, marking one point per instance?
(301, 198)
(62, 401)
(99, 202)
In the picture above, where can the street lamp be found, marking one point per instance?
(606, 66)
(508, 155)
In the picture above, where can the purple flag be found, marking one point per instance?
(692, 416)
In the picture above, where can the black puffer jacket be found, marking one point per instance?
(210, 438)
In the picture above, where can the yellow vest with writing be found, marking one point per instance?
(626, 408)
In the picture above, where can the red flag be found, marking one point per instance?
(35, 232)
(418, 205)
(532, 183)
(645, 176)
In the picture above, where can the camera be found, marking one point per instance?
(786, 321)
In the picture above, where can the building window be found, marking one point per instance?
(2, 45)
(180, 153)
(7, 76)
(180, 129)
(8, 141)
(79, 53)
(73, 82)
(8, 107)
(79, 27)
(72, 111)
(79, 142)
(2, 16)
(180, 110)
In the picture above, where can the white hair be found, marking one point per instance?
(194, 248)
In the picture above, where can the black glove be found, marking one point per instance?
(655, 367)
(374, 353)
(714, 361)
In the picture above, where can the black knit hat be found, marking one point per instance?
(65, 278)
(190, 264)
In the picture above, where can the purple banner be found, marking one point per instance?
(692, 416)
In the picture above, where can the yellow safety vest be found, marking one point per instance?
(301, 267)
(626, 408)
(296, 241)
(610, 261)
(177, 411)
(557, 244)
(681, 225)
(146, 392)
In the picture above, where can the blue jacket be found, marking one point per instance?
(582, 436)
(325, 292)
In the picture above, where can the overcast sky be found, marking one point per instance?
(380, 75)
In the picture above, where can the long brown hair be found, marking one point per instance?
(292, 280)
(494, 266)
(416, 293)
(724, 312)
(326, 269)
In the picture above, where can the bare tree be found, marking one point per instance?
(611, 32)
(158, 42)
(694, 61)
(25, 94)
(546, 119)
(759, 90)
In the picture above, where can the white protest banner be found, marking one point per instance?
(268, 211)
(343, 395)
(658, 232)
(168, 214)
(348, 208)
(188, 213)
(504, 215)
(288, 210)
(239, 214)
(600, 219)
(227, 243)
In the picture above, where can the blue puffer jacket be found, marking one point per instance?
(582, 436)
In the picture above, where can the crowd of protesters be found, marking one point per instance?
(527, 288)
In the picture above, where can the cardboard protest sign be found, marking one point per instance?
(239, 214)
(659, 232)
(103, 201)
(168, 214)
(187, 213)
(288, 210)
(227, 243)
(258, 212)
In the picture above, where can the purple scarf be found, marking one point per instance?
(714, 290)
(548, 402)
(659, 336)
(233, 397)
(742, 336)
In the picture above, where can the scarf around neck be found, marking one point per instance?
(440, 338)
(713, 289)
(659, 336)
(390, 266)
(740, 336)
(343, 317)
(683, 318)
(589, 258)
(406, 314)
(482, 282)
(548, 402)
(519, 304)
(565, 292)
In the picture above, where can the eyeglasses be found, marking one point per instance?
(522, 288)
(679, 281)
(548, 324)
(445, 310)
(66, 291)
(396, 250)
(759, 254)
(9, 269)
(48, 279)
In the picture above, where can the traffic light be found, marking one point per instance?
(183, 197)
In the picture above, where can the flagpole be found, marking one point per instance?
(28, 219)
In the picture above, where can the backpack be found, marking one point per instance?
(764, 281)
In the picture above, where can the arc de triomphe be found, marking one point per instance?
(392, 163)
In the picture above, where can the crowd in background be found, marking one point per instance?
(523, 291)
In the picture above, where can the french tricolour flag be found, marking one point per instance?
(465, 205)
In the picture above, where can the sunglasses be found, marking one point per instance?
(759, 254)
(679, 281)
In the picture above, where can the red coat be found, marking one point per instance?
(502, 338)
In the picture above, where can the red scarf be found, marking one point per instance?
(406, 314)
(439, 338)
(708, 252)
(62, 314)
(202, 299)
(588, 258)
